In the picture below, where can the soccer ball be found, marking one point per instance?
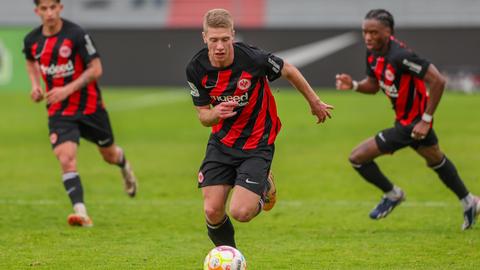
(224, 258)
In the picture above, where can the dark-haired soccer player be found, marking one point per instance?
(65, 57)
(401, 75)
(229, 87)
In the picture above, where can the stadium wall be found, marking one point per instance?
(149, 42)
(158, 57)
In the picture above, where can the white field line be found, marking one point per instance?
(148, 100)
(288, 203)
(303, 55)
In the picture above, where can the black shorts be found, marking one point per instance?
(229, 166)
(94, 127)
(392, 139)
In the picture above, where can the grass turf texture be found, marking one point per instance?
(320, 222)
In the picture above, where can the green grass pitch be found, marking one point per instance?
(321, 219)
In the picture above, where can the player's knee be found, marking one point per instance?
(432, 155)
(242, 214)
(110, 157)
(435, 160)
(355, 158)
(67, 161)
(214, 215)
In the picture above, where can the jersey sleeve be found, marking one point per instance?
(272, 65)
(86, 47)
(199, 95)
(409, 62)
(27, 49)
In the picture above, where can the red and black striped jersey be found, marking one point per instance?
(62, 58)
(400, 74)
(245, 81)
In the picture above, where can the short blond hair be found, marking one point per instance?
(217, 18)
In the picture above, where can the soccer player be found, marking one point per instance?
(229, 87)
(65, 57)
(401, 75)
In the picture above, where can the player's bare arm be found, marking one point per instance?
(320, 109)
(210, 116)
(93, 72)
(369, 85)
(34, 74)
(436, 84)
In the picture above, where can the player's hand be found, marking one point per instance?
(225, 109)
(343, 81)
(420, 130)
(321, 110)
(36, 94)
(57, 94)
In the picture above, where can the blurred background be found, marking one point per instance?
(149, 42)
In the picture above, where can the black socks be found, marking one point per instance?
(370, 172)
(73, 186)
(222, 233)
(449, 176)
(445, 170)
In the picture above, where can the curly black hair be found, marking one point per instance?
(383, 16)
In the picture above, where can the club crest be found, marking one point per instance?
(200, 177)
(389, 75)
(65, 51)
(244, 84)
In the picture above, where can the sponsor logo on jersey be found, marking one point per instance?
(193, 90)
(244, 84)
(65, 51)
(390, 90)
(412, 66)
(241, 100)
(58, 71)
